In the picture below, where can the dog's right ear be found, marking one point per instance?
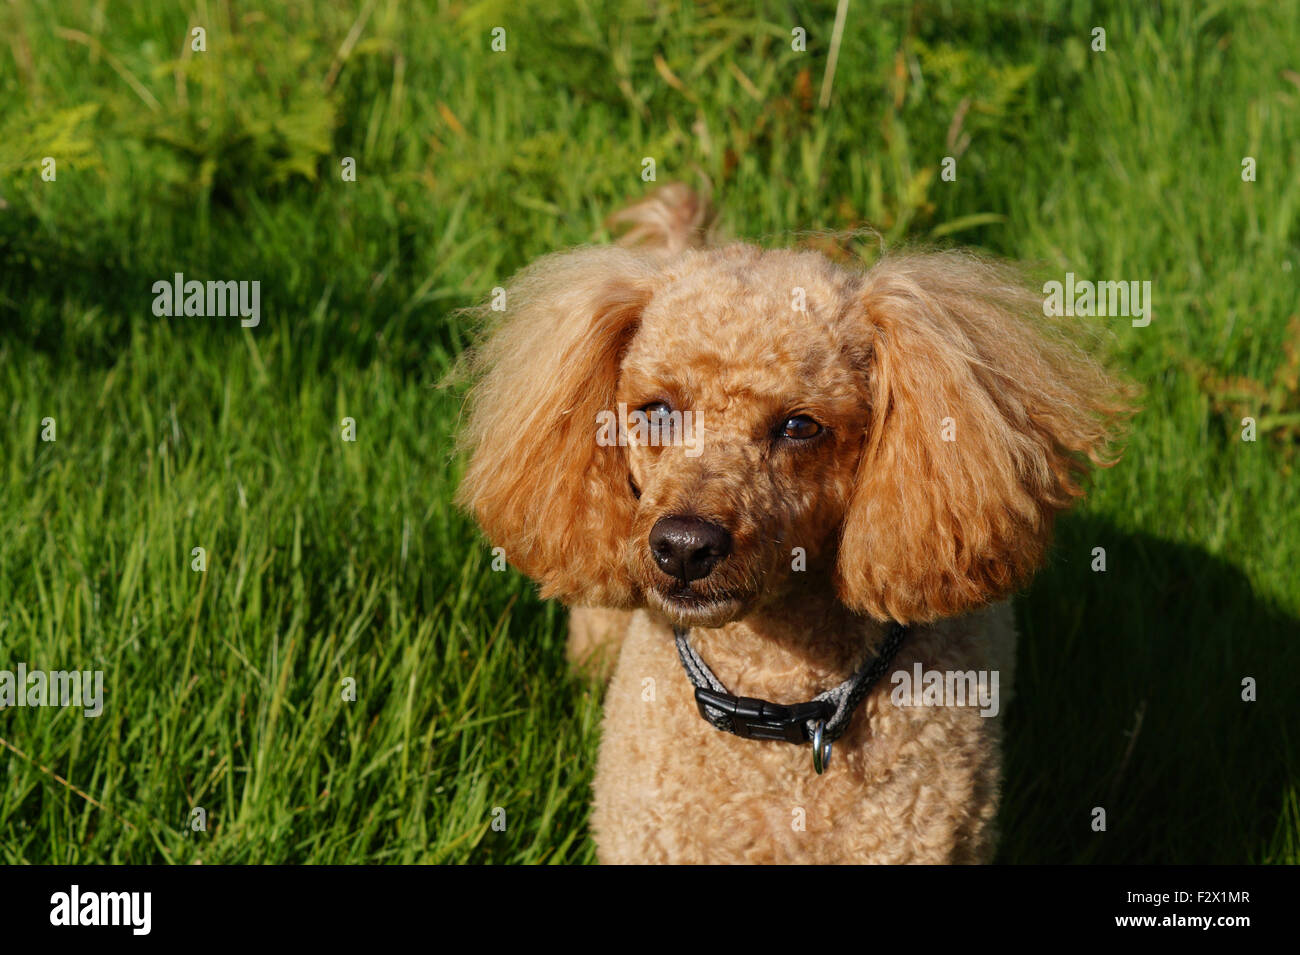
(540, 484)
(985, 420)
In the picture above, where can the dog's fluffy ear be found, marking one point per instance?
(540, 485)
(983, 422)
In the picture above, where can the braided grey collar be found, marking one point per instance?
(820, 721)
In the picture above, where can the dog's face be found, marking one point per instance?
(746, 417)
(901, 437)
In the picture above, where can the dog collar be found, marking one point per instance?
(820, 721)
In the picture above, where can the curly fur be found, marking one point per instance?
(955, 425)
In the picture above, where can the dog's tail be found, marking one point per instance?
(670, 220)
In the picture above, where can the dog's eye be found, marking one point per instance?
(656, 424)
(800, 427)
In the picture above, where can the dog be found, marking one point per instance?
(854, 470)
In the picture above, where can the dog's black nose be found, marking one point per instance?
(688, 548)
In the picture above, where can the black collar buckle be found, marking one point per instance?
(751, 718)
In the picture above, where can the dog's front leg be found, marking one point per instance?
(595, 639)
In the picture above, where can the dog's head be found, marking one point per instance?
(708, 432)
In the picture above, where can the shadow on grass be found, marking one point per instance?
(38, 272)
(79, 297)
(1129, 698)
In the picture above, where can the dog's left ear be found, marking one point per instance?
(542, 484)
(983, 421)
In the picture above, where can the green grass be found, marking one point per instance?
(329, 559)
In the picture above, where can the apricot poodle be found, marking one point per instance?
(773, 489)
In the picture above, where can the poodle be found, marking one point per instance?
(774, 490)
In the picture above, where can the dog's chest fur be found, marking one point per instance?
(905, 784)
